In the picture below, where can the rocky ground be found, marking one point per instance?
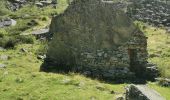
(151, 11)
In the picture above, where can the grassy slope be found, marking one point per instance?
(159, 46)
(22, 79)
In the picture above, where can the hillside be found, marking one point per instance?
(21, 58)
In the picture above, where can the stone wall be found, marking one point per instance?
(93, 38)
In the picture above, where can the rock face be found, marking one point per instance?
(91, 36)
(142, 92)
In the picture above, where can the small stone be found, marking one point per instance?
(23, 50)
(41, 57)
(4, 57)
(13, 22)
(2, 65)
(119, 97)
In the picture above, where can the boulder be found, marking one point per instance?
(7, 22)
(142, 92)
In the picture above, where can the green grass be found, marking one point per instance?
(164, 91)
(21, 80)
(159, 45)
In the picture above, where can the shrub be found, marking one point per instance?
(42, 49)
(3, 33)
(8, 42)
(25, 39)
(44, 18)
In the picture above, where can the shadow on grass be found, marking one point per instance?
(116, 80)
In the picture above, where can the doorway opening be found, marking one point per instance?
(133, 59)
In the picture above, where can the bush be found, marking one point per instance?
(3, 33)
(44, 18)
(25, 39)
(43, 48)
(8, 42)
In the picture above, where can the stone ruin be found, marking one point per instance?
(93, 38)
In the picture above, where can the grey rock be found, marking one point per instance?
(23, 50)
(2, 49)
(40, 31)
(142, 92)
(39, 4)
(119, 97)
(13, 22)
(2, 65)
(4, 57)
(41, 57)
(7, 22)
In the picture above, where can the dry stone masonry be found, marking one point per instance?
(93, 38)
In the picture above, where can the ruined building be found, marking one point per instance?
(93, 38)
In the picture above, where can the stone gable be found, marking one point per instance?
(93, 38)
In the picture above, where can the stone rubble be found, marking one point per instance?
(152, 11)
(17, 4)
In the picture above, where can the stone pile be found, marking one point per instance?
(152, 11)
(17, 4)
